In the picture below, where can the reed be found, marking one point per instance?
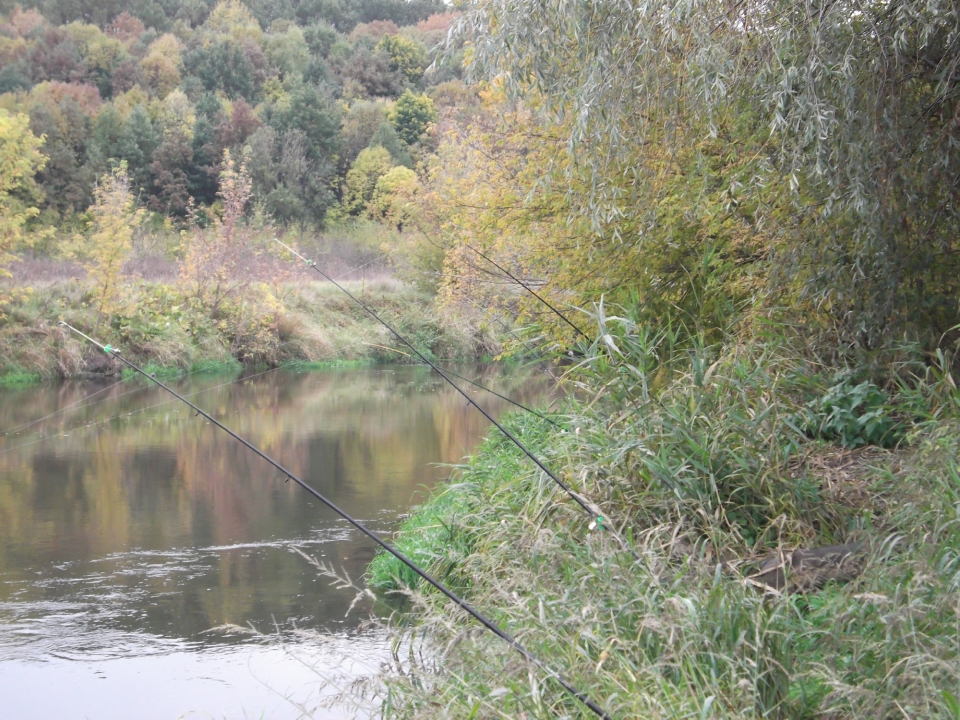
(698, 454)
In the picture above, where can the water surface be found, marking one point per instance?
(130, 530)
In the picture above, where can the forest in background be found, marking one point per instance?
(299, 91)
(154, 151)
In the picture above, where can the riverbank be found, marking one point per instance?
(307, 322)
(707, 462)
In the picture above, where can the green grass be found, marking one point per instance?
(19, 377)
(301, 365)
(706, 466)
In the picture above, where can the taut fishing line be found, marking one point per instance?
(91, 425)
(463, 604)
(591, 510)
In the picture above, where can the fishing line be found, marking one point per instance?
(515, 279)
(463, 604)
(63, 409)
(91, 425)
(93, 394)
(450, 372)
(592, 511)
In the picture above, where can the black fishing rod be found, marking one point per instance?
(463, 604)
(591, 511)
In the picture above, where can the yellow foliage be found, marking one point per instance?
(20, 159)
(393, 196)
(503, 209)
(105, 250)
(161, 66)
(361, 180)
(233, 18)
(178, 116)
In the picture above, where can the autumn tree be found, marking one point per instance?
(411, 116)
(20, 159)
(361, 182)
(841, 117)
(209, 268)
(215, 271)
(114, 219)
(392, 198)
(407, 56)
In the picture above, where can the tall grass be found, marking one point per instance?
(314, 323)
(698, 454)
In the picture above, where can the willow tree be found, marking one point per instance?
(848, 109)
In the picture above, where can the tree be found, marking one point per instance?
(214, 271)
(67, 176)
(386, 137)
(161, 66)
(392, 196)
(368, 74)
(320, 37)
(362, 178)
(407, 56)
(360, 122)
(104, 252)
(20, 159)
(173, 158)
(287, 50)
(412, 115)
(316, 115)
(850, 107)
(234, 19)
(223, 66)
(211, 259)
(105, 140)
(136, 145)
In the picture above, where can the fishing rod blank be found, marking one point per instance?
(463, 604)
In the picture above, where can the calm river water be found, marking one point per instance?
(130, 530)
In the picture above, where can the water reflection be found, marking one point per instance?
(128, 524)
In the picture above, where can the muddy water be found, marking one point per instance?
(134, 534)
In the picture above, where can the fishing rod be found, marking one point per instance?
(591, 510)
(463, 604)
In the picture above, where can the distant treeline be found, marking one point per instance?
(299, 89)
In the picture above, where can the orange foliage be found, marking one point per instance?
(440, 22)
(23, 22)
(53, 93)
(376, 29)
(126, 28)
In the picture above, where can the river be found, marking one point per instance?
(136, 538)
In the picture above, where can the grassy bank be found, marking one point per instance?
(308, 322)
(707, 462)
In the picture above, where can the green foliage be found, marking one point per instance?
(362, 178)
(407, 56)
(853, 414)
(20, 158)
(99, 88)
(387, 138)
(675, 446)
(411, 115)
